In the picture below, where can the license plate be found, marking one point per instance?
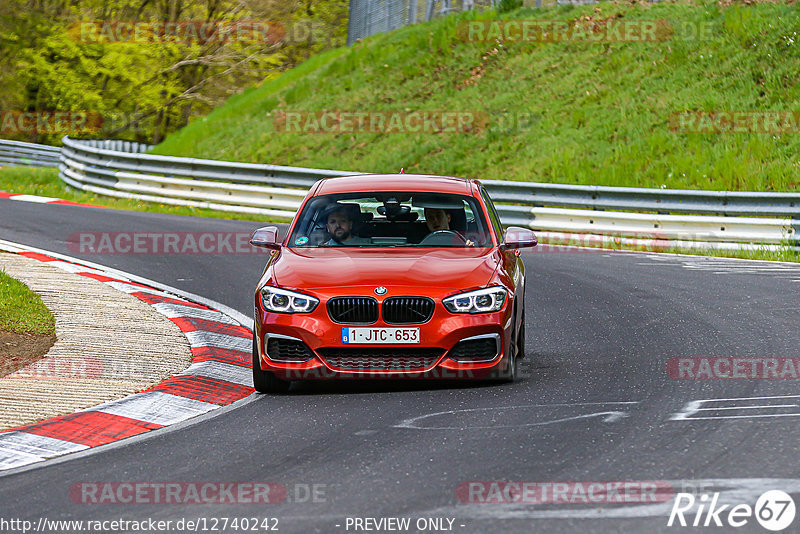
(380, 335)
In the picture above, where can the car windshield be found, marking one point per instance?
(391, 219)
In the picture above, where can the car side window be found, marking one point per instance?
(493, 217)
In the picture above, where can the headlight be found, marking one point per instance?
(283, 301)
(490, 299)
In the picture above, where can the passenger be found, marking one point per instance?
(340, 227)
(438, 220)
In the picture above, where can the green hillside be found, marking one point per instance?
(573, 111)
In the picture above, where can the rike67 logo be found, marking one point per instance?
(774, 510)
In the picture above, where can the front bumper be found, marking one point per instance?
(452, 346)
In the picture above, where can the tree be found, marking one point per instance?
(148, 66)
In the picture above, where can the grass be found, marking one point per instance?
(784, 253)
(21, 310)
(586, 112)
(45, 182)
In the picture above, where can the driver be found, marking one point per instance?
(438, 220)
(340, 227)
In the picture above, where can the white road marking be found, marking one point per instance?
(201, 338)
(696, 406)
(235, 374)
(725, 265)
(743, 416)
(156, 407)
(132, 288)
(172, 311)
(33, 198)
(72, 268)
(9, 459)
(749, 407)
(21, 448)
(608, 416)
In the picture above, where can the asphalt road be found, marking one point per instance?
(595, 404)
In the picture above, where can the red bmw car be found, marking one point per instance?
(389, 276)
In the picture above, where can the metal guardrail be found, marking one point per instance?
(122, 169)
(271, 190)
(368, 17)
(753, 204)
(28, 154)
(704, 230)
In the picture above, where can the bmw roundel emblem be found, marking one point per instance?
(380, 290)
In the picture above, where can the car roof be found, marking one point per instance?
(395, 182)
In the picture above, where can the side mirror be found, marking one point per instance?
(266, 237)
(517, 237)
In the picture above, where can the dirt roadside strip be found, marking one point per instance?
(129, 358)
(109, 345)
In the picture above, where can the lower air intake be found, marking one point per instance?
(475, 350)
(380, 359)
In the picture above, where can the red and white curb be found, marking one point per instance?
(220, 374)
(43, 200)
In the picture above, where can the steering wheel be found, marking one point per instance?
(443, 237)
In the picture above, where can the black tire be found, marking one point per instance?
(521, 338)
(509, 374)
(264, 381)
(513, 368)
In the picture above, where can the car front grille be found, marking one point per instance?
(288, 350)
(353, 310)
(380, 358)
(474, 350)
(407, 310)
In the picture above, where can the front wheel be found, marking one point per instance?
(513, 364)
(521, 338)
(264, 381)
(517, 351)
(509, 374)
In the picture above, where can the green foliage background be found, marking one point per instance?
(143, 91)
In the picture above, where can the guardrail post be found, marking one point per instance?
(91, 165)
(431, 5)
(412, 11)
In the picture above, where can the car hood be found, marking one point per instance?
(319, 268)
